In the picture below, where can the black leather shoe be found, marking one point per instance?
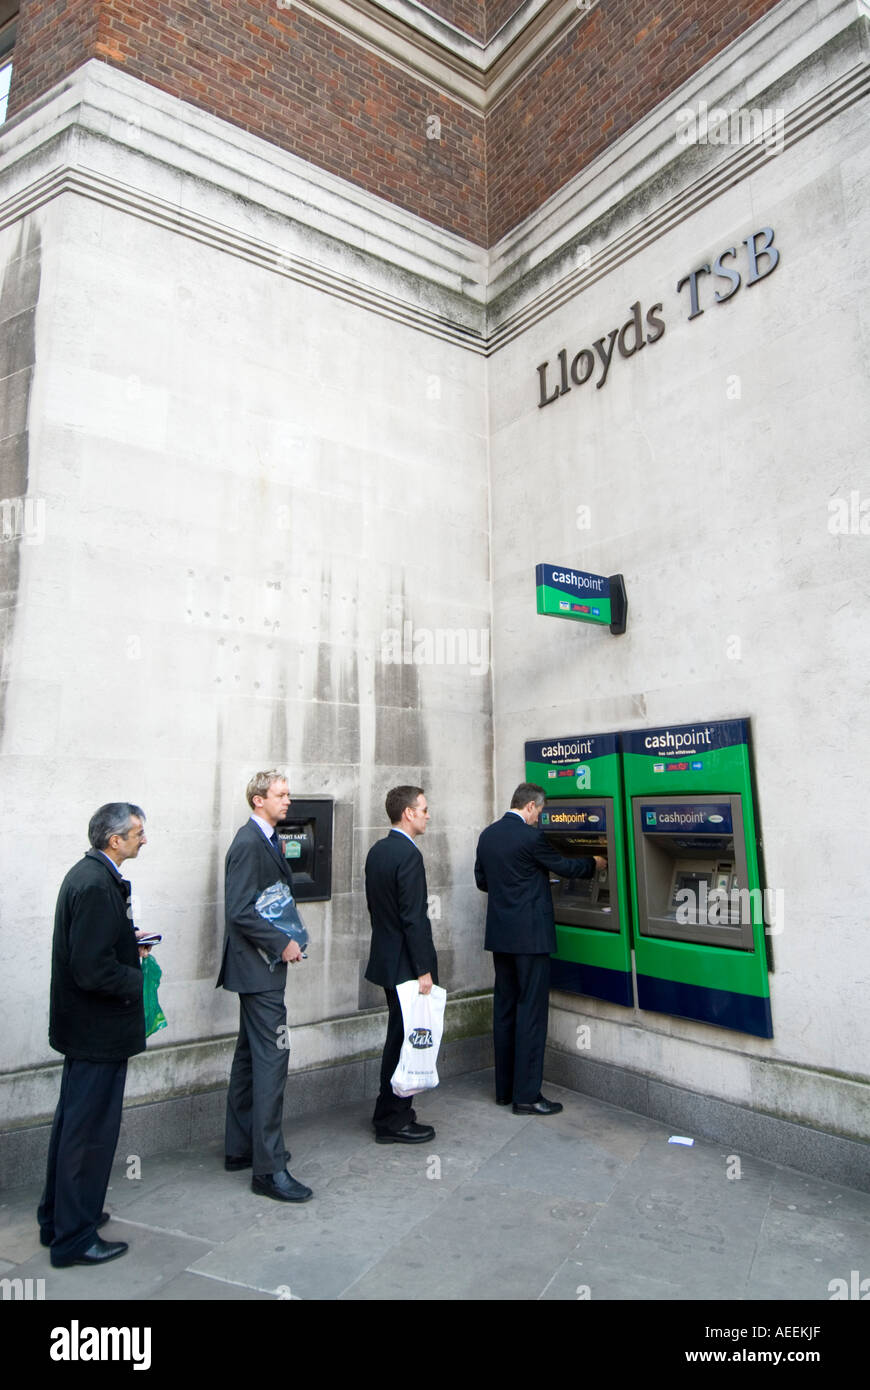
(46, 1239)
(411, 1134)
(97, 1254)
(539, 1107)
(503, 1102)
(281, 1187)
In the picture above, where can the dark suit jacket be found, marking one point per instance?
(96, 1011)
(402, 947)
(513, 866)
(252, 864)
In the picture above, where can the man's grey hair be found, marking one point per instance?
(112, 819)
(526, 792)
(261, 782)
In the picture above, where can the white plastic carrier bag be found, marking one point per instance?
(423, 1017)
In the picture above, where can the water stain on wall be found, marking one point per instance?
(19, 295)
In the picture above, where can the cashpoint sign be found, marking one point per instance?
(582, 597)
(574, 817)
(712, 819)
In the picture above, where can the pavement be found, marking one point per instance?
(594, 1203)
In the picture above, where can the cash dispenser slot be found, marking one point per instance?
(691, 870)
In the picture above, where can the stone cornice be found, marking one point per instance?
(434, 51)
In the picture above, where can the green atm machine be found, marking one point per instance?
(700, 947)
(584, 816)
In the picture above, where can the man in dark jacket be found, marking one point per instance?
(401, 949)
(255, 1100)
(513, 866)
(97, 1021)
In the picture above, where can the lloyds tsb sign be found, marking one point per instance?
(730, 270)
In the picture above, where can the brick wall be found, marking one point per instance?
(291, 79)
(284, 76)
(598, 81)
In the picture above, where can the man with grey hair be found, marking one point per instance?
(255, 1099)
(97, 1021)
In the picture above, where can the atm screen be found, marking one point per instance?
(574, 897)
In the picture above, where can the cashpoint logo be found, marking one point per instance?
(677, 741)
(579, 580)
(680, 818)
(580, 748)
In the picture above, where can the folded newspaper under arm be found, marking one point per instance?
(276, 905)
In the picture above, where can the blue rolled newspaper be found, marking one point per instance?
(277, 906)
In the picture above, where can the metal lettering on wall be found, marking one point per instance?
(758, 260)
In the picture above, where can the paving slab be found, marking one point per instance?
(159, 1258)
(486, 1241)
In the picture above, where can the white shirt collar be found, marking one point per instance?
(267, 829)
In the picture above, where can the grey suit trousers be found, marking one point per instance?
(255, 1100)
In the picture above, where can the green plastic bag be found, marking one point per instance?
(155, 1018)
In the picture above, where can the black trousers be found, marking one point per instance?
(255, 1100)
(520, 1007)
(80, 1152)
(392, 1112)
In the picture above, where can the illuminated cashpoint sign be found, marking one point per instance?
(305, 840)
(700, 945)
(582, 597)
(583, 817)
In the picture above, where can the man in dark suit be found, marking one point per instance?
(255, 1100)
(513, 866)
(401, 949)
(97, 1021)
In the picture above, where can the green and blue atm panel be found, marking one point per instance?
(584, 816)
(697, 901)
